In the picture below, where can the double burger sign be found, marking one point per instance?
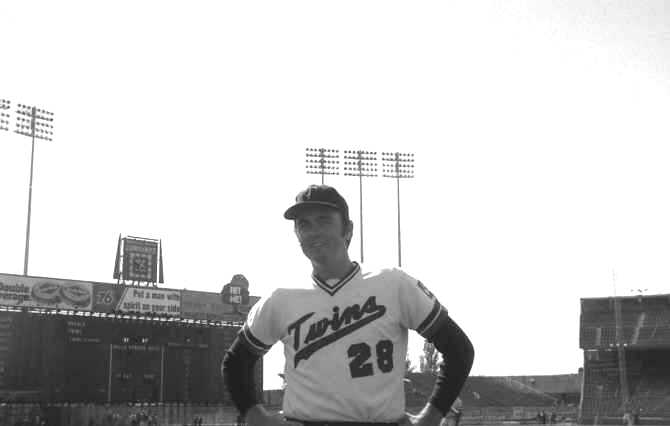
(16, 290)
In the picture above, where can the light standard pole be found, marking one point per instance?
(360, 163)
(619, 342)
(36, 123)
(398, 166)
(321, 161)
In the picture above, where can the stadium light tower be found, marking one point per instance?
(398, 166)
(361, 164)
(35, 123)
(4, 117)
(321, 161)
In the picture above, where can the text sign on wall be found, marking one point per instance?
(45, 292)
(114, 297)
(146, 300)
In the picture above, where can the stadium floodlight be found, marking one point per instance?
(4, 116)
(321, 161)
(361, 164)
(35, 123)
(398, 166)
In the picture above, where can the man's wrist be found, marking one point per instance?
(431, 414)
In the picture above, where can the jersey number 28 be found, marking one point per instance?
(361, 353)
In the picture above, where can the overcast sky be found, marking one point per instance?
(539, 128)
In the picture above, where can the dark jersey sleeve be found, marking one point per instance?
(237, 369)
(248, 347)
(425, 314)
(458, 355)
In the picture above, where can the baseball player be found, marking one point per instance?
(344, 332)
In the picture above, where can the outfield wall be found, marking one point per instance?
(57, 358)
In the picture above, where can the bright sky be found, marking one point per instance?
(539, 128)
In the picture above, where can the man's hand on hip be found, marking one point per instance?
(258, 416)
(429, 416)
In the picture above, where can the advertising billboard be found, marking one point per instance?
(52, 293)
(19, 291)
(55, 293)
(114, 297)
(140, 260)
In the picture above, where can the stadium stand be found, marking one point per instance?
(480, 391)
(640, 381)
(491, 400)
(651, 382)
(566, 388)
(491, 391)
(600, 395)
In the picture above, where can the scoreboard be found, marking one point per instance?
(96, 359)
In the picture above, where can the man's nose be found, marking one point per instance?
(306, 230)
(311, 233)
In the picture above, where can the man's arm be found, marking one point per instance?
(458, 355)
(237, 369)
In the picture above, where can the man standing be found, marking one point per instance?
(344, 333)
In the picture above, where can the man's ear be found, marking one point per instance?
(349, 231)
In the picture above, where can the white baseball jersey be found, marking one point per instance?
(345, 343)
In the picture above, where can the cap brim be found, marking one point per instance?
(292, 211)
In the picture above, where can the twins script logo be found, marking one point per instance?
(325, 331)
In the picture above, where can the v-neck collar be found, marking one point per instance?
(332, 289)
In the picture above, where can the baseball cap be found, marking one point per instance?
(318, 195)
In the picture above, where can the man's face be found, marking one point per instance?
(321, 233)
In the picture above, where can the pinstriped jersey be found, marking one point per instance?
(345, 342)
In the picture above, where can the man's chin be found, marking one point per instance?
(316, 255)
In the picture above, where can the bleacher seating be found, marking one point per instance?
(652, 391)
(655, 330)
(601, 392)
(480, 391)
(645, 325)
(648, 377)
(644, 322)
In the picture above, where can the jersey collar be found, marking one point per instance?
(333, 288)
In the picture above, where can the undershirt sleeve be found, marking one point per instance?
(237, 370)
(457, 354)
(260, 331)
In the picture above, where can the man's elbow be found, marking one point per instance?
(469, 354)
(226, 363)
(454, 344)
